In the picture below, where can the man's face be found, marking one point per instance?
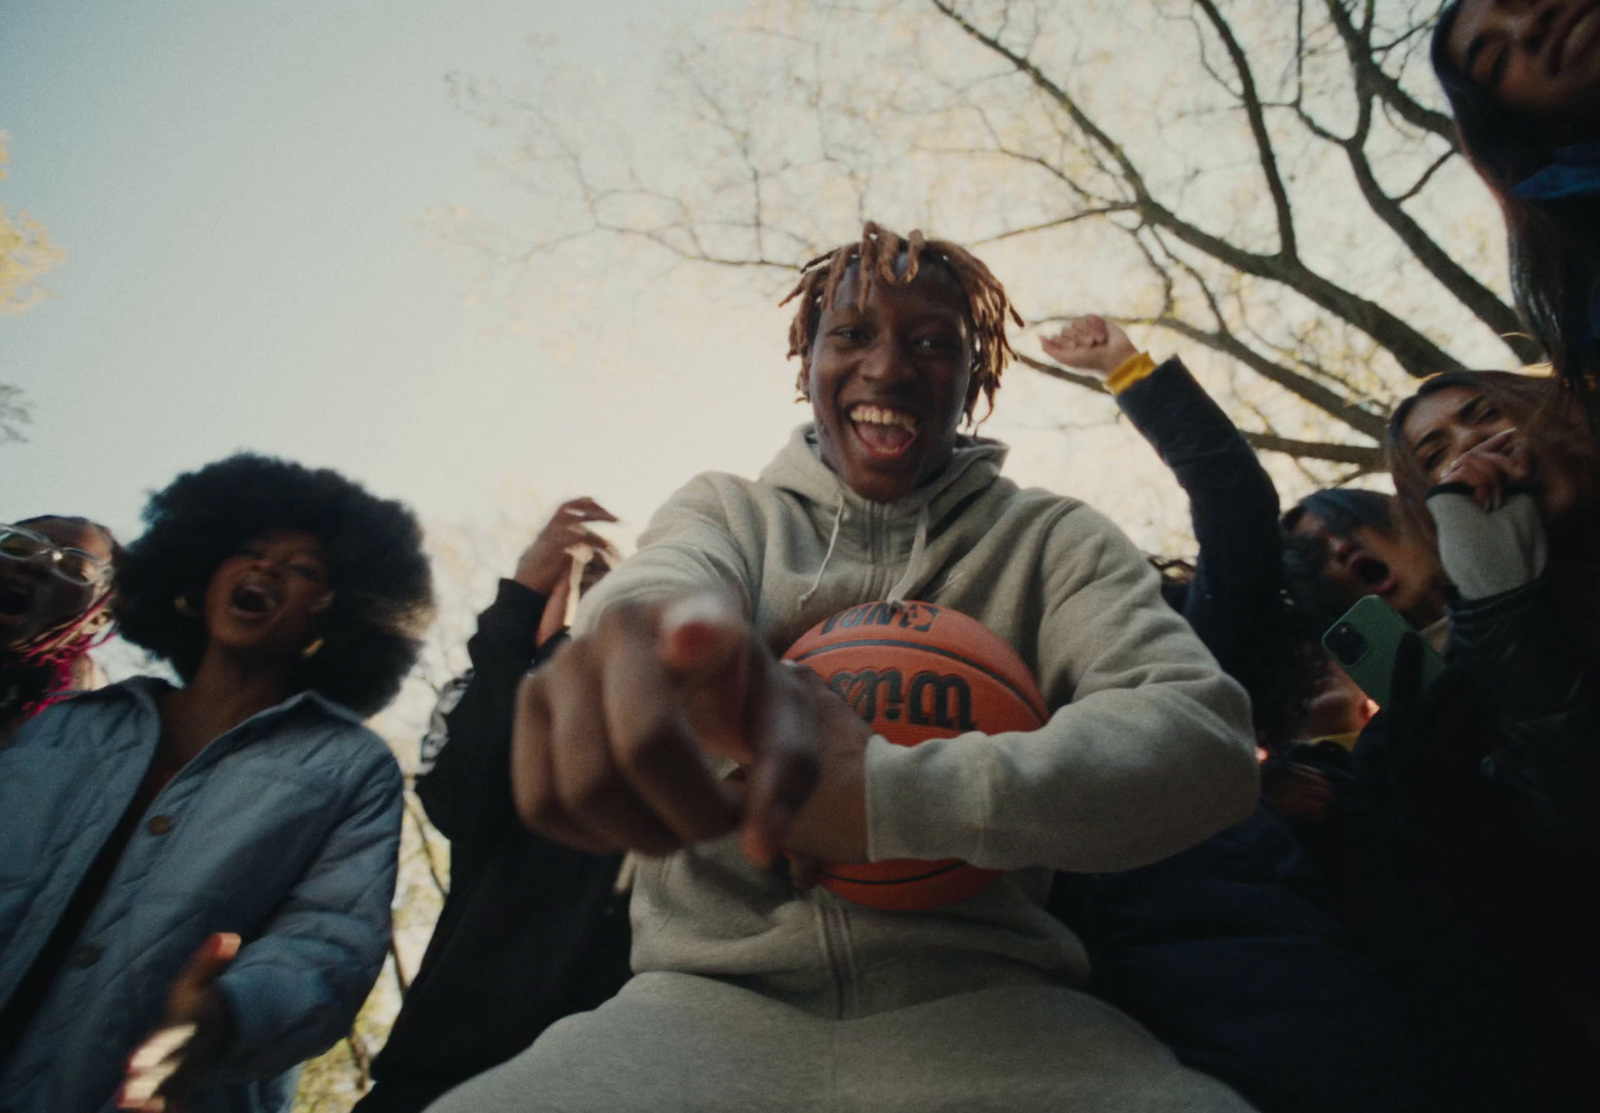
(1402, 572)
(34, 598)
(1537, 56)
(890, 382)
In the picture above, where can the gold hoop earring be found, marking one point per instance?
(182, 605)
(310, 651)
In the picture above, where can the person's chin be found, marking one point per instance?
(881, 484)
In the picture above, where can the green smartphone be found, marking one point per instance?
(1365, 641)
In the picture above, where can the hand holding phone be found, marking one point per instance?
(1365, 642)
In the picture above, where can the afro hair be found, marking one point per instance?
(383, 596)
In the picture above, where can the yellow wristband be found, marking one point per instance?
(1345, 741)
(1130, 371)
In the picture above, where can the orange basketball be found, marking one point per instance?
(916, 671)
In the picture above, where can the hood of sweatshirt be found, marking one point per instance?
(1146, 750)
(798, 469)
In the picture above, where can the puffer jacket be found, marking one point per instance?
(284, 830)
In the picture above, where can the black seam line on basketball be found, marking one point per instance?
(893, 881)
(986, 670)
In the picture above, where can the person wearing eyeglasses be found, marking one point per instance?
(55, 595)
(196, 878)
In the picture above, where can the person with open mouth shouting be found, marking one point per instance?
(1344, 543)
(668, 727)
(196, 879)
(55, 596)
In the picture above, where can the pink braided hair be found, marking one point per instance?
(57, 651)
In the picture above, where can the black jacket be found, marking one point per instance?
(1530, 654)
(531, 931)
(1482, 925)
(1224, 951)
(1233, 601)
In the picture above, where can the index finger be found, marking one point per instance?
(654, 747)
(1497, 443)
(785, 768)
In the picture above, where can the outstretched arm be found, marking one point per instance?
(1232, 503)
(1147, 753)
(623, 739)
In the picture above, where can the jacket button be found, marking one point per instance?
(85, 956)
(160, 825)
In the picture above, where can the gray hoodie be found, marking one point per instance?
(1148, 749)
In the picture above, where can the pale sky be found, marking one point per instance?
(243, 193)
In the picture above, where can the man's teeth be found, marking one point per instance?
(874, 415)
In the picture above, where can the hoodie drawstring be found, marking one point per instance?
(898, 593)
(833, 539)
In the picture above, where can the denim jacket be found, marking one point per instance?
(284, 830)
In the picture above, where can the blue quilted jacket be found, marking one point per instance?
(284, 830)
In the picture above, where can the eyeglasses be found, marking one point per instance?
(73, 565)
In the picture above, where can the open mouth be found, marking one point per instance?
(16, 601)
(885, 433)
(253, 599)
(1373, 574)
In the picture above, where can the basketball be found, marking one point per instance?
(916, 671)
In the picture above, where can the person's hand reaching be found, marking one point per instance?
(192, 1038)
(613, 738)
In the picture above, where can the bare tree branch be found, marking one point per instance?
(1251, 100)
(1415, 353)
(1328, 84)
(1386, 87)
(1368, 457)
(1483, 302)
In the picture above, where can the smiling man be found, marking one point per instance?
(668, 725)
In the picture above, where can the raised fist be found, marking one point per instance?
(1091, 344)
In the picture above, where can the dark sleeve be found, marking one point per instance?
(1526, 652)
(1232, 504)
(467, 792)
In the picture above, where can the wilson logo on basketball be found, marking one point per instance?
(919, 674)
(941, 701)
(906, 616)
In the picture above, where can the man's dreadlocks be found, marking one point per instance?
(877, 252)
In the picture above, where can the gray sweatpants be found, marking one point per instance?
(673, 1042)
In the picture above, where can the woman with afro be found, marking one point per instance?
(201, 875)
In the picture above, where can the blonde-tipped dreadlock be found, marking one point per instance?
(877, 252)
